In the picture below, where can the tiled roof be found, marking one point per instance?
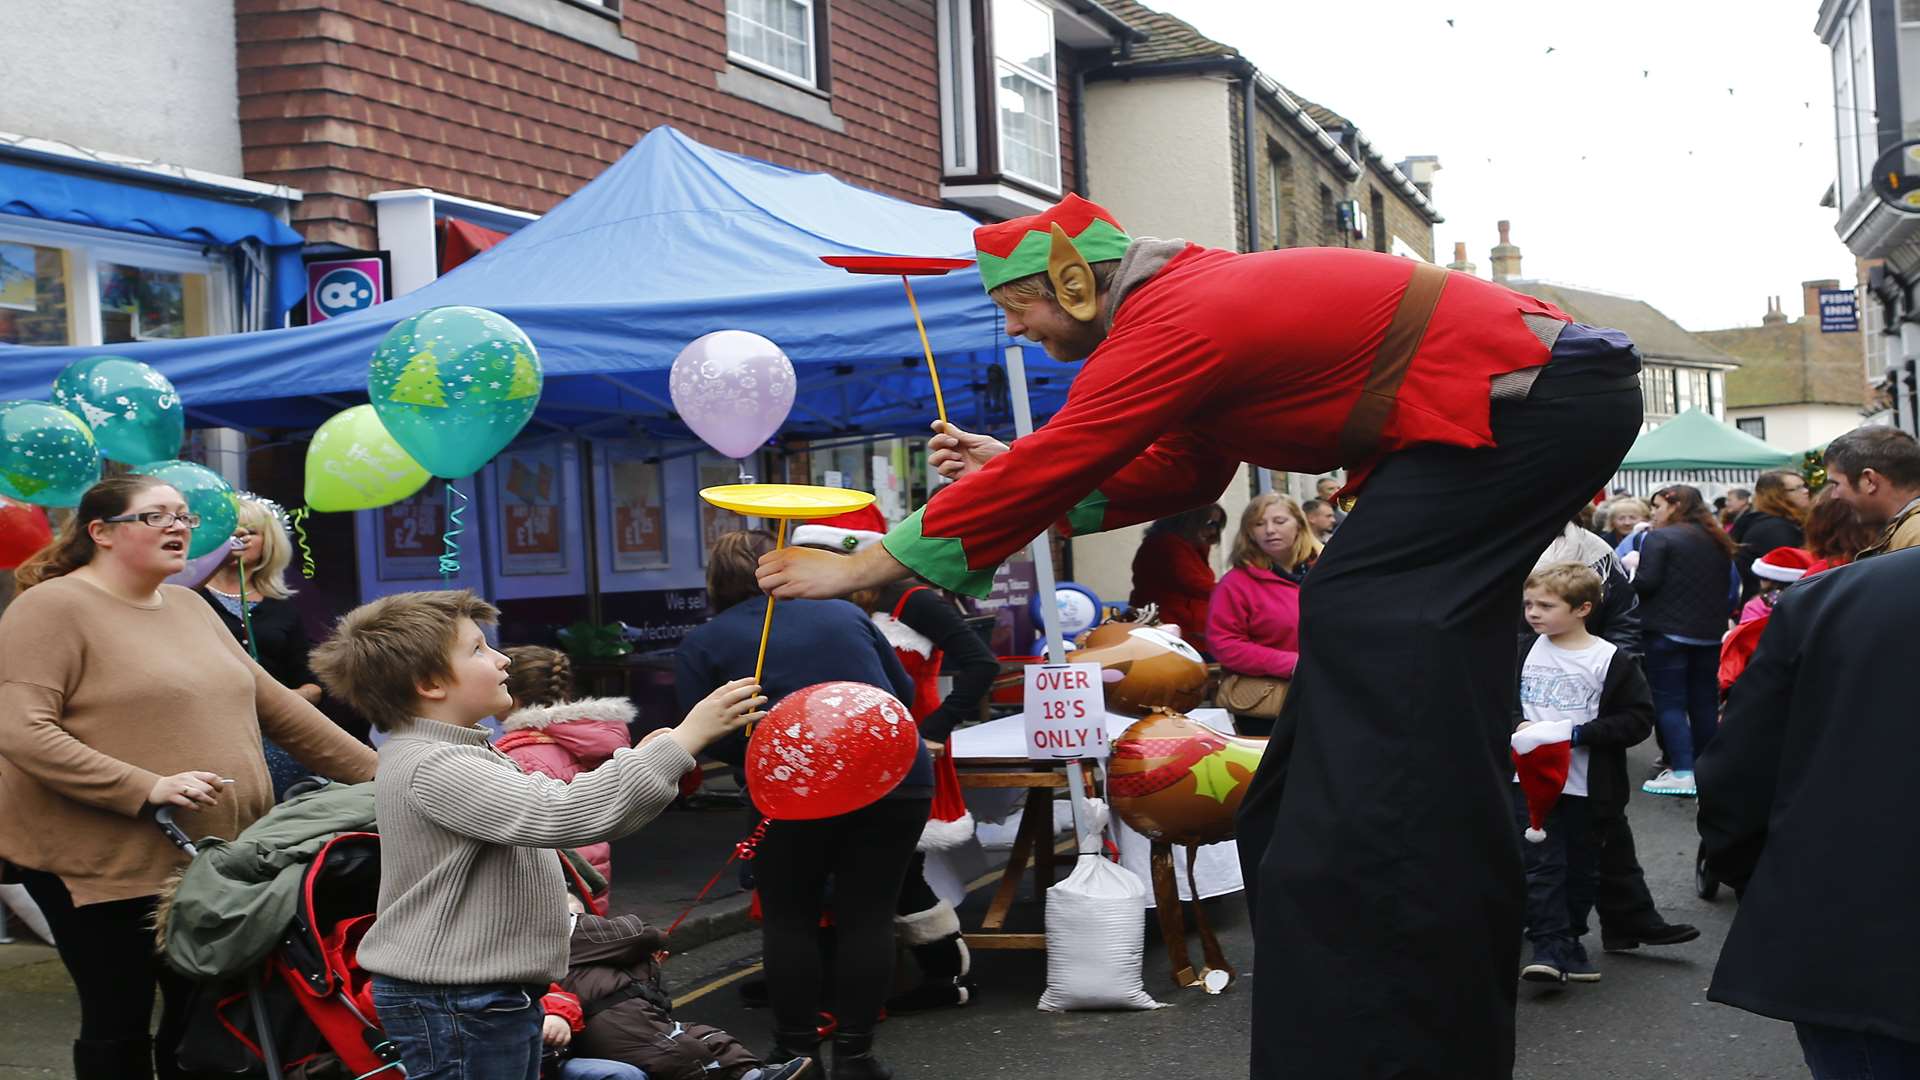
(1168, 38)
(1658, 337)
(1793, 363)
(1322, 115)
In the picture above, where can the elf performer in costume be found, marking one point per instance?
(1384, 875)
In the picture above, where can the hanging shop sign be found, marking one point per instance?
(341, 283)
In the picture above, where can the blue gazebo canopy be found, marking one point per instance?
(674, 240)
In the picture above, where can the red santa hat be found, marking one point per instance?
(1542, 754)
(1788, 564)
(848, 532)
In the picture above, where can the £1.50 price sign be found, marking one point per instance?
(1066, 711)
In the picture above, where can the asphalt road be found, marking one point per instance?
(1647, 1017)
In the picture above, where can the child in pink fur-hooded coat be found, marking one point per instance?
(550, 733)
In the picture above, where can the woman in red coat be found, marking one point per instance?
(1173, 569)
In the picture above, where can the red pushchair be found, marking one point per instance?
(307, 1011)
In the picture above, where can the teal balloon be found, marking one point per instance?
(133, 410)
(47, 456)
(207, 494)
(453, 386)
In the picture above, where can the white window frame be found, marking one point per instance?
(89, 247)
(812, 79)
(959, 111)
(1052, 84)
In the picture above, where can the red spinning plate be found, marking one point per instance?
(895, 264)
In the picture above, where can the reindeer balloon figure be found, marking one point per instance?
(1170, 779)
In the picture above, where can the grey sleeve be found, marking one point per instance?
(479, 794)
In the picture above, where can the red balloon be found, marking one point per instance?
(830, 749)
(23, 531)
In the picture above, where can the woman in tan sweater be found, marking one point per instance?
(118, 694)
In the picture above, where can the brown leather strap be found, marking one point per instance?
(1361, 435)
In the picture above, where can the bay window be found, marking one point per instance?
(1026, 96)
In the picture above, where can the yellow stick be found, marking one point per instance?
(939, 400)
(767, 624)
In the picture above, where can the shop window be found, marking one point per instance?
(142, 304)
(777, 36)
(71, 285)
(1026, 94)
(34, 286)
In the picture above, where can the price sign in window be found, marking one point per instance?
(410, 535)
(531, 498)
(639, 518)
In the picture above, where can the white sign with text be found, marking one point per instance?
(1066, 711)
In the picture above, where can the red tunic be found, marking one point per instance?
(1217, 359)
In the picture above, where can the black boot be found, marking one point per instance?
(795, 1046)
(113, 1059)
(944, 968)
(853, 1057)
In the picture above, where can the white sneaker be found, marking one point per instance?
(1672, 783)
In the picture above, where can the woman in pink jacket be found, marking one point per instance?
(1253, 622)
(550, 733)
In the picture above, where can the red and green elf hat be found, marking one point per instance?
(1018, 248)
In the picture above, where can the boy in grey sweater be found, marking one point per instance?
(472, 921)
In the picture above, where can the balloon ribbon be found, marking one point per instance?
(939, 400)
(766, 625)
(299, 519)
(246, 616)
(450, 558)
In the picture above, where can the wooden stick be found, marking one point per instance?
(939, 400)
(766, 625)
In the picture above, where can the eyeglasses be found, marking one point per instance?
(158, 519)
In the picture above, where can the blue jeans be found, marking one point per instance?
(1562, 872)
(486, 1032)
(599, 1069)
(1685, 680)
(1834, 1054)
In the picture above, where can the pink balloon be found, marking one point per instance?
(733, 388)
(829, 749)
(200, 569)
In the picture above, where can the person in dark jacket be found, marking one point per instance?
(613, 967)
(1684, 610)
(865, 854)
(1628, 917)
(1806, 807)
(262, 616)
(1776, 519)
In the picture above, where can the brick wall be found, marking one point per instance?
(343, 98)
(1304, 169)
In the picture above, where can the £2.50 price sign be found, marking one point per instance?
(1066, 711)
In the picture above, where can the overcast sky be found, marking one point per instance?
(1620, 156)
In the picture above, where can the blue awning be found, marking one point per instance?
(84, 200)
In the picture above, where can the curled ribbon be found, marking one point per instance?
(299, 521)
(456, 505)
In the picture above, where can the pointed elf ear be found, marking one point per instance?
(1073, 285)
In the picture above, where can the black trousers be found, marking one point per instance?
(865, 856)
(108, 948)
(1622, 900)
(1377, 841)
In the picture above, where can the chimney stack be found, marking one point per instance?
(1420, 169)
(1460, 262)
(1810, 295)
(1506, 257)
(1774, 316)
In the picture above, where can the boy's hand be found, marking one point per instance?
(733, 706)
(555, 1033)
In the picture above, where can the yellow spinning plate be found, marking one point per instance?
(785, 502)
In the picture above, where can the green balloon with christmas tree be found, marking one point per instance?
(454, 385)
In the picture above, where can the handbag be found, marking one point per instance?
(1258, 696)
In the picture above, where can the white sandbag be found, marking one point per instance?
(1096, 932)
(21, 904)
